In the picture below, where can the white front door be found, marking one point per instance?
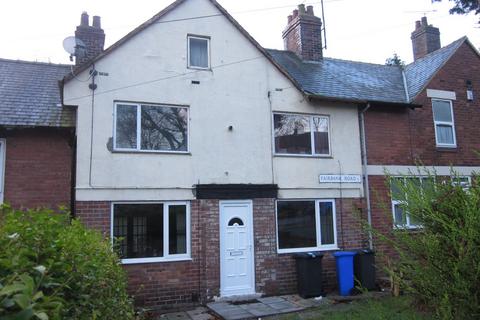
(236, 248)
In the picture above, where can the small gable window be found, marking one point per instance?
(444, 123)
(198, 52)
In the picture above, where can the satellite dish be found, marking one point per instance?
(74, 46)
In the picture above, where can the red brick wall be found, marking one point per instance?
(401, 136)
(38, 168)
(175, 284)
(464, 65)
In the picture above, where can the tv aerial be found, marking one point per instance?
(75, 47)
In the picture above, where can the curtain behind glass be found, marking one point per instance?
(198, 53)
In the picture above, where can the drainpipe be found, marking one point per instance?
(366, 186)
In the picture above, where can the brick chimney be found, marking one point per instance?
(92, 36)
(425, 39)
(303, 34)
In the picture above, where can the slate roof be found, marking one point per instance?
(30, 95)
(364, 82)
(345, 80)
(419, 73)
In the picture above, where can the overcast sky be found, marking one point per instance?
(363, 30)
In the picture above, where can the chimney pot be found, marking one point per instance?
(290, 18)
(301, 9)
(84, 19)
(310, 11)
(418, 24)
(424, 21)
(295, 13)
(96, 22)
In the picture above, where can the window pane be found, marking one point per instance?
(164, 128)
(140, 227)
(445, 134)
(126, 127)
(177, 229)
(296, 224)
(399, 215)
(326, 222)
(442, 111)
(320, 129)
(292, 134)
(198, 52)
(395, 188)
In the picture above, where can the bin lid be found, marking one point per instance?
(344, 253)
(308, 255)
(365, 251)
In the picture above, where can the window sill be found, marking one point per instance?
(447, 148)
(316, 156)
(153, 260)
(178, 153)
(291, 251)
(199, 68)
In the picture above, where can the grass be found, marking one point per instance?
(390, 308)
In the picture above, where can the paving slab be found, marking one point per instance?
(284, 306)
(259, 309)
(176, 316)
(271, 300)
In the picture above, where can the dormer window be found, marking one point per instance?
(198, 52)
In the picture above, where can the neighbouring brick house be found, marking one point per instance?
(36, 136)
(438, 133)
(216, 159)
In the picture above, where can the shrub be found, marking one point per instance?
(440, 262)
(54, 268)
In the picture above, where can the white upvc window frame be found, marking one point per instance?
(138, 149)
(444, 123)
(394, 202)
(312, 135)
(3, 145)
(198, 37)
(166, 257)
(319, 246)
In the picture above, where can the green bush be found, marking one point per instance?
(54, 268)
(440, 262)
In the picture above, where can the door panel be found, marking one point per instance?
(236, 248)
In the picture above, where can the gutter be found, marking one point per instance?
(363, 142)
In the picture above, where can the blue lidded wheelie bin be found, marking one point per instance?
(344, 261)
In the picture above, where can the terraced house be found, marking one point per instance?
(215, 159)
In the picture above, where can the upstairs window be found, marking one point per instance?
(151, 128)
(444, 123)
(301, 134)
(198, 52)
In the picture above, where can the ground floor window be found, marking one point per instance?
(401, 218)
(151, 232)
(306, 225)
